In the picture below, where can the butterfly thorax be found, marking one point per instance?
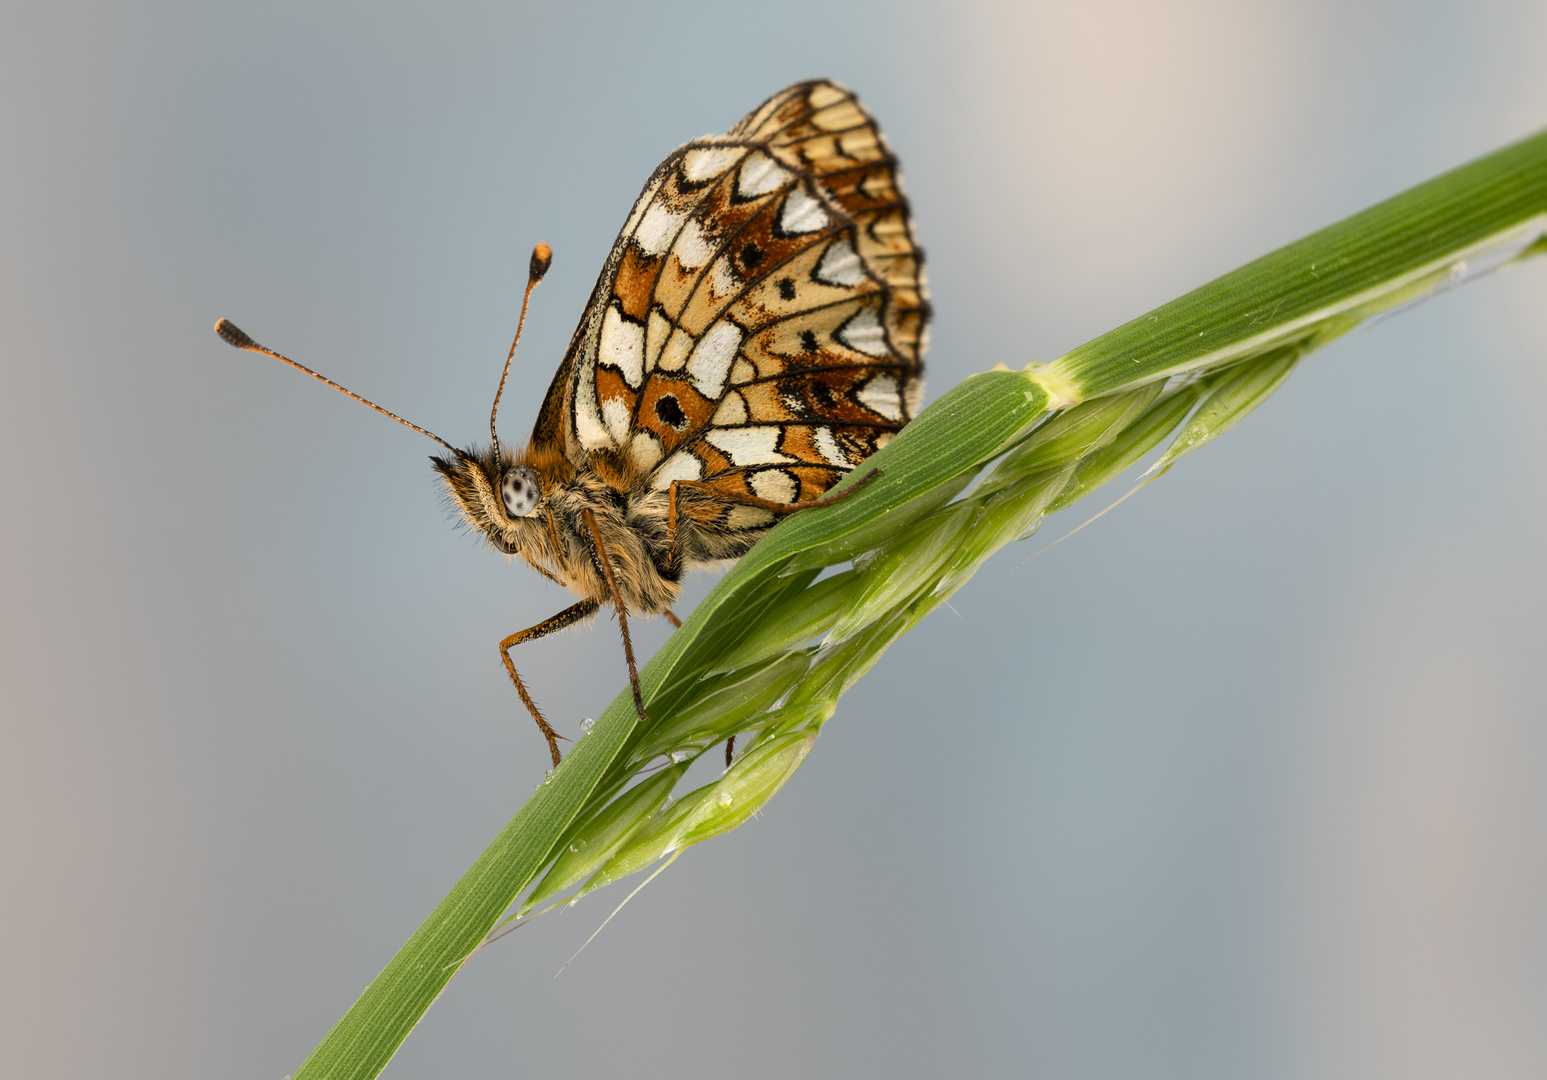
(555, 536)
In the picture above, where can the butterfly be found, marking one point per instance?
(756, 333)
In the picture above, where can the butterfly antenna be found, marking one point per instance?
(542, 258)
(235, 337)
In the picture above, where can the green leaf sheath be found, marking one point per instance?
(748, 659)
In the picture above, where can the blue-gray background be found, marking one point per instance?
(1244, 780)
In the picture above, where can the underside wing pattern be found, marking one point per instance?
(759, 326)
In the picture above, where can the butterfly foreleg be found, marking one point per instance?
(825, 500)
(673, 556)
(568, 617)
(673, 553)
(605, 565)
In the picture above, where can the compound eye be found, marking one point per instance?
(520, 490)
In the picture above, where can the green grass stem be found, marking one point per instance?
(770, 650)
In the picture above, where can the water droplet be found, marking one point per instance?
(586, 725)
(726, 798)
(678, 756)
(577, 846)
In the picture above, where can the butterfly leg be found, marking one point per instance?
(622, 609)
(730, 751)
(568, 617)
(671, 617)
(673, 557)
(825, 500)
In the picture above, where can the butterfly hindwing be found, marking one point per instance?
(822, 127)
(758, 326)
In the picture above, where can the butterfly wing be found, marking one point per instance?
(759, 324)
(819, 126)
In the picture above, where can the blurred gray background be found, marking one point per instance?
(1244, 780)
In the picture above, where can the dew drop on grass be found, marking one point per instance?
(678, 756)
(726, 798)
(586, 725)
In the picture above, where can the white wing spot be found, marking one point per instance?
(645, 449)
(693, 248)
(748, 446)
(675, 354)
(802, 214)
(880, 395)
(588, 418)
(705, 164)
(775, 485)
(864, 333)
(746, 517)
(622, 346)
(680, 466)
(722, 279)
(640, 204)
(857, 145)
(710, 362)
(656, 229)
(840, 265)
(615, 413)
(759, 175)
(829, 448)
(657, 330)
(824, 94)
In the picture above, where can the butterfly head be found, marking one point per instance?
(497, 495)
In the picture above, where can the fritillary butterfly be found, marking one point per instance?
(757, 332)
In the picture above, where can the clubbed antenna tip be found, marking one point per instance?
(542, 258)
(232, 335)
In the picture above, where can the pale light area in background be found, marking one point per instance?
(1420, 937)
(1148, 133)
(1104, 126)
(1241, 781)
